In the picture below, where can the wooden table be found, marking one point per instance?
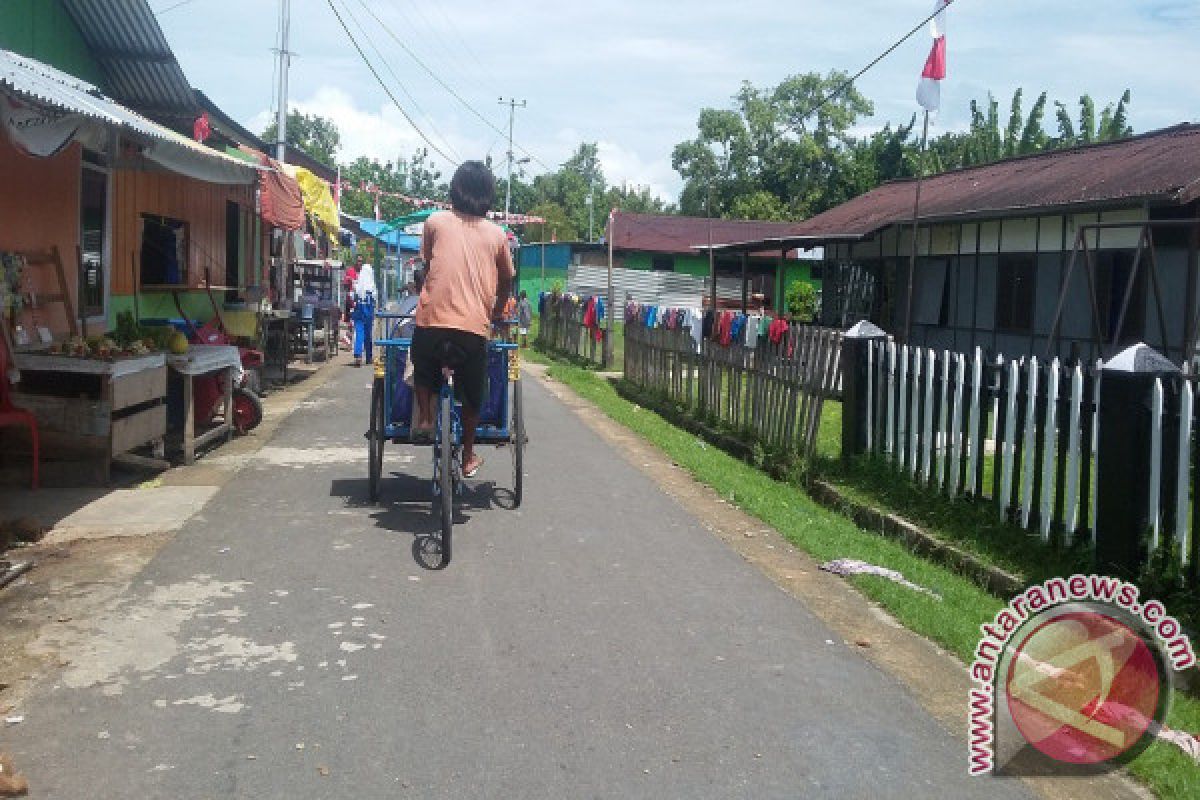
(102, 408)
(205, 360)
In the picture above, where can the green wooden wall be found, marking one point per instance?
(43, 30)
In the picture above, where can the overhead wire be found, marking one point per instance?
(172, 7)
(440, 53)
(384, 86)
(850, 81)
(458, 37)
(382, 58)
(497, 129)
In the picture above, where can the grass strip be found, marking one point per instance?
(953, 622)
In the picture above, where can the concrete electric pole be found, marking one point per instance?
(285, 61)
(513, 105)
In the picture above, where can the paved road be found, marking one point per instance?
(597, 643)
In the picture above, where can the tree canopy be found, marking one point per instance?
(312, 133)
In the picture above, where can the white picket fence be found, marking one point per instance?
(1023, 435)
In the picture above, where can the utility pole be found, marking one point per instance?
(285, 62)
(591, 204)
(512, 113)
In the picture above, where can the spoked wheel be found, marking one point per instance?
(518, 445)
(375, 441)
(446, 474)
(247, 410)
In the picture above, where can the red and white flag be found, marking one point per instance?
(929, 90)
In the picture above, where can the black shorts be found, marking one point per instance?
(465, 353)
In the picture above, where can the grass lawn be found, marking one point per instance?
(952, 622)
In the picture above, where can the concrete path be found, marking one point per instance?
(597, 643)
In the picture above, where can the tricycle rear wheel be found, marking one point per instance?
(518, 445)
(375, 441)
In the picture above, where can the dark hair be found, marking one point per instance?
(473, 189)
(524, 294)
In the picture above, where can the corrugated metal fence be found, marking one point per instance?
(661, 288)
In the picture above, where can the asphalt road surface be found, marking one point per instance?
(599, 642)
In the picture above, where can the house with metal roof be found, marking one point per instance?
(668, 243)
(137, 209)
(1075, 251)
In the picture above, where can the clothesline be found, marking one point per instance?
(726, 328)
(593, 308)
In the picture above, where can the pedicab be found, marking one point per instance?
(393, 404)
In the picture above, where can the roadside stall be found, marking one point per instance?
(315, 288)
(106, 215)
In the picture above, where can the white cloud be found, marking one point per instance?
(634, 75)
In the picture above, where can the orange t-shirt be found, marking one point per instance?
(466, 256)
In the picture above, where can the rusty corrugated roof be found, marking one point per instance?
(663, 233)
(1161, 167)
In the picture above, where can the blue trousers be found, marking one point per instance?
(362, 337)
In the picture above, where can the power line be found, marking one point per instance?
(447, 86)
(458, 37)
(172, 7)
(428, 119)
(443, 44)
(384, 85)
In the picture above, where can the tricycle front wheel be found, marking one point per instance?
(518, 445)
(446, 474)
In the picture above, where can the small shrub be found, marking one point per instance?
(802, 301)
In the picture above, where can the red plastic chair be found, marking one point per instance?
(10, 415)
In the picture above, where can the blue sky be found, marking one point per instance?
(634, 75)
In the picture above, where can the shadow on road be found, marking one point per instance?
(406, 506)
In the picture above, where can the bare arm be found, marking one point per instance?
(504, 280)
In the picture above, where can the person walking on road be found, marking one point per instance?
(363, 314)
(470, 273)
(524, 317)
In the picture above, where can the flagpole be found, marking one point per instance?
(912, 260)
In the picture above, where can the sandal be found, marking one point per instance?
(471, 470)
(421, 435)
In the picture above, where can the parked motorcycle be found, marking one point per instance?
(208, 391)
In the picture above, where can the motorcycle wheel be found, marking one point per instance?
(247, 410)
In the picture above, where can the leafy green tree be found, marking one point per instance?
(312, 133)
(1113, 122)
(558, 225)
(758, 205)
(784, 140)
(383, 174)
(422, 179)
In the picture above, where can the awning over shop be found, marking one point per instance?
(44, 109)
(282, 198)
(389, 235)
(318, 199)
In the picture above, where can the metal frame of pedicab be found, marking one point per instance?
(392, 403)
